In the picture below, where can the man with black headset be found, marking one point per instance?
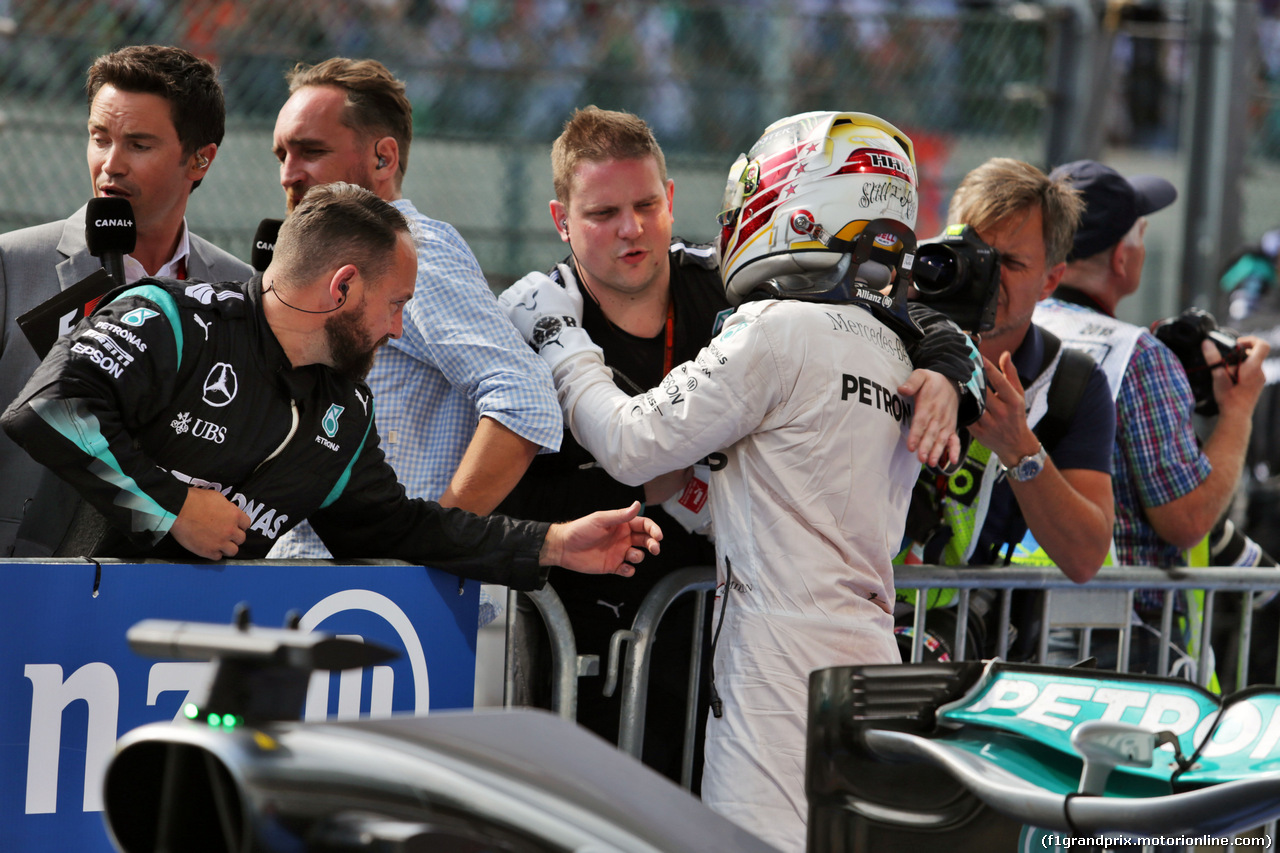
(465, 405)
(650, 302)
(206, 420)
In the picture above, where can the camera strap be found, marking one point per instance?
(1066, 389)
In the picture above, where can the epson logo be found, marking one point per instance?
(113, 223)
(103, 361)
(97, 685)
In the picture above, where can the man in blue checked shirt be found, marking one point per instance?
(464, 403)
(1169, 488)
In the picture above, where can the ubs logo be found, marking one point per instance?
(220, 385)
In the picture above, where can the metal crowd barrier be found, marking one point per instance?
(1108, 595)
(1105, 602)
(629, 654)
(635, 668)
(567, 666)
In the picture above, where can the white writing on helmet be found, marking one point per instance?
(881, 160)
(889, 193)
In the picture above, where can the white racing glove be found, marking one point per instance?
(548, 315)
(570, 284)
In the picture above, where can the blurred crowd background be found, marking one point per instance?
(1188, 89)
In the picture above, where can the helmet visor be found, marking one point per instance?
(734, 193)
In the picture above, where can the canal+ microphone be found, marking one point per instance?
(264, 243)
(110, 232)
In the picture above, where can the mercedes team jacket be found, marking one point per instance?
(172, 384)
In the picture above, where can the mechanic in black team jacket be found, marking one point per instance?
(207, 419)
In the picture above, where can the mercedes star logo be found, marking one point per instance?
(220, 385)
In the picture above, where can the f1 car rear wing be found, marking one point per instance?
(907, 757)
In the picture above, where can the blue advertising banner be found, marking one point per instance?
(70, 685)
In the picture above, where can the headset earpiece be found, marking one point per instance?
(382, 162)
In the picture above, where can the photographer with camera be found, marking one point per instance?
(1035, 488)
(1169, 490)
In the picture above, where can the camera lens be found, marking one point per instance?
(938, 270)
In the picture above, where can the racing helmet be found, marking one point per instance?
(821, 199)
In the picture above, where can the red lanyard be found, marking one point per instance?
(669, 343)
(669, 350)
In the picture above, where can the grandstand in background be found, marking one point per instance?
(1186, 89)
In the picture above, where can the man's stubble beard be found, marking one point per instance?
(350, 348)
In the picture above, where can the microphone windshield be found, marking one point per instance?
(109, 226)
(264, 243)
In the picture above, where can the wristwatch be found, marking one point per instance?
(1028, 466)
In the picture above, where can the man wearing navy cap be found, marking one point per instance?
(1169, 491)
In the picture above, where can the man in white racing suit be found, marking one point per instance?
(808, 392)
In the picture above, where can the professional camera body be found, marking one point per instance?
(958, 274)
(1183, 334)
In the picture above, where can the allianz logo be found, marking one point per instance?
(98, 686)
